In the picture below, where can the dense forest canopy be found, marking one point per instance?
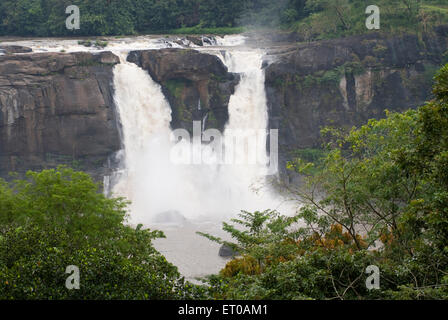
(311, 18)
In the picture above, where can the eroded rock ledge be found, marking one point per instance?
(345, 82)
(196, 84)
(56, 109)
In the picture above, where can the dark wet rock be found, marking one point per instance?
(12, 49)
(57, 109)
(197, 40)
(211, 41)
(227, 252)
(345, 82)
(196, 84)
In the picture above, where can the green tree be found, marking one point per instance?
(57, 218)
(377, 197)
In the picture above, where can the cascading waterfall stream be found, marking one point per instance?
(248, 112)
(145, 117)
(198, 196)
(155, 184)
(184, 199)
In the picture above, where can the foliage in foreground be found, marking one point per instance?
(378, 197)
(57, 218)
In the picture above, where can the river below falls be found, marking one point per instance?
(194, 255)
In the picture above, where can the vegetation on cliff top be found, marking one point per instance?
(311, 19)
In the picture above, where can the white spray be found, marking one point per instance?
(156, 185)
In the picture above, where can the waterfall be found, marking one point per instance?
(155, 185)
(145, 117)
(248, 111)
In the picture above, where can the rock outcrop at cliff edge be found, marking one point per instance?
(345, 82)
(12, 49)
(197, 85)
(56, 109)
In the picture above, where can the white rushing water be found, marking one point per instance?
(115, 44)
(145, 117)
(155, 184)
(194, 197)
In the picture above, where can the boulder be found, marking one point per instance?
(12, 49)
(197, 40)
(227, 252)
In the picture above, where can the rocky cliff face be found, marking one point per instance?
(345, 82)
(57, 109)
(196, 84)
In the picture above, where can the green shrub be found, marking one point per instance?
(379, 197)
(57, 218)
